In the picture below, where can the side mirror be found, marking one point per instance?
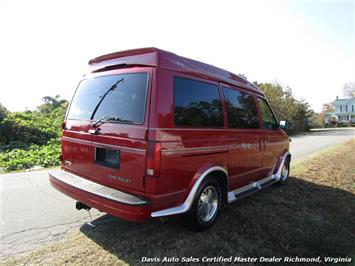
(285, 124)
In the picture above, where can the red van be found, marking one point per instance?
(151, 134)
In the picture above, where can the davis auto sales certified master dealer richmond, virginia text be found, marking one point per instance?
(231, 259)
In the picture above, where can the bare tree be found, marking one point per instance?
(349, 89)
(327, 107)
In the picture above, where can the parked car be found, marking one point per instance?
(151, 134)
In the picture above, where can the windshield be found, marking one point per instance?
(121, 96)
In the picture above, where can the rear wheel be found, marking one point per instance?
(206, 205)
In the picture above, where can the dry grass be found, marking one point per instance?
(312, 216)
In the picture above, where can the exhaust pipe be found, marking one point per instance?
(79, 206)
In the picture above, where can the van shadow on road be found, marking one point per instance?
(300, 219)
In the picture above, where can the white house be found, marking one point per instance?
(344, 111)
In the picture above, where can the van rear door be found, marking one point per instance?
(115, 110)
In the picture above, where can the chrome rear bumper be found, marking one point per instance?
(96, 189)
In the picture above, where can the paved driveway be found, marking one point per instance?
(33, 213)
(317, 140)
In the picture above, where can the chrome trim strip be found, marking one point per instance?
(244, 146)
(260, 184)
(102, 145)
(207, 129)
(187, 129)
(169, 194)
(189, 150)
(95, 188)
(190, 198)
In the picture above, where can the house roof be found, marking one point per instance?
(344, 101)
(167, 60)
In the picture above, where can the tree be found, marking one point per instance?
(318, 119)
(287, 107)
(349, 89)
(327, 107)
(3, 112)
(50, 103)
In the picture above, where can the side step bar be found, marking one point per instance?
(256, 186)
(251, 188)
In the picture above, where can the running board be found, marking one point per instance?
(251, 188)
(258, 185)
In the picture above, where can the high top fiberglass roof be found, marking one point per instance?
(167, 60)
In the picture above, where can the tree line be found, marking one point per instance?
(287, 107)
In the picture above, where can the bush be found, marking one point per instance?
(31, 127)
(34, 155)
(31, 138)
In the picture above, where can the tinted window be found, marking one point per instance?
(241, 109)
(196, 104)
(268, 118)
(121, 96)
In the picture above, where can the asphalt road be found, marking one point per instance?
(317, 140)
(33, 213)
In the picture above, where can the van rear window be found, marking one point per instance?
(119, 96)
(196, 104)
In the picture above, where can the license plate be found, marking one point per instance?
(107, 157)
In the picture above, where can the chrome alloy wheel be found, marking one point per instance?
(208, 204)
(285, 171)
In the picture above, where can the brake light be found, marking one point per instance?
(153, 159)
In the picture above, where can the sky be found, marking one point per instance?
(308, 46)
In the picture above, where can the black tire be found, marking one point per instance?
(283, 179)
(196, 219)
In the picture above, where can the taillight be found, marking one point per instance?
(153, 159)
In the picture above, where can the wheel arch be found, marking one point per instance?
(218, 172)
(222, 179)
(283, 158)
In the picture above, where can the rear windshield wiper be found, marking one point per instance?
(110, 118)
(112, 88)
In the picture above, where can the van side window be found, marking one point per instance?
(196, 104)
(241, 109)
(268, 119)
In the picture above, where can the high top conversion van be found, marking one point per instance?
(151, 134)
